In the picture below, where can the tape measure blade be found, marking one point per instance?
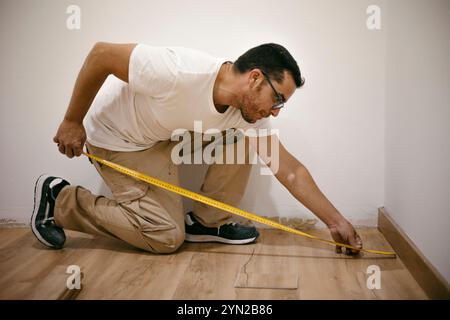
(220, 205)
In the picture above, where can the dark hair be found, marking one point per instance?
(273, 59)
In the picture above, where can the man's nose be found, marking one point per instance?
(275, 112)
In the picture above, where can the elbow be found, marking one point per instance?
(97, 57)
(99, 51)
(99, 48)
(288, 175)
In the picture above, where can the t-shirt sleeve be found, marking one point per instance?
(152, 70)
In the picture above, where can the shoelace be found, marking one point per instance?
(48, 221)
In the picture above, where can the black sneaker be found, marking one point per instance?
(43, 225)
(232, 233)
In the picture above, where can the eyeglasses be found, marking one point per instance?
(280, 100)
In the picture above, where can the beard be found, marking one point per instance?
(246, 116)
(248, 106)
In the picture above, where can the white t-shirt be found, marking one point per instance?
(169, 88)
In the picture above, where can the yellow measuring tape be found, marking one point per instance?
(220, 205)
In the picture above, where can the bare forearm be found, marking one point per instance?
(297, 179)
(301, 185)
(90, 78)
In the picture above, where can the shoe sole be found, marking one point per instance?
(209, 238)
(37, 200)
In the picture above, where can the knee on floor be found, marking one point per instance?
(168, 241)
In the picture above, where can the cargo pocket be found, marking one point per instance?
(124, 188)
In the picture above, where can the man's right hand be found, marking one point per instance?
(344, 232)
(70, 138)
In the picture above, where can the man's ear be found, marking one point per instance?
(255, 77)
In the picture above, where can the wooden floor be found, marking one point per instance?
(113, 270)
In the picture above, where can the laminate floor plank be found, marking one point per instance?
(111, 269)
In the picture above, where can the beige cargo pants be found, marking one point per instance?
(144, 215)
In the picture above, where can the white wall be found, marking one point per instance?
(417, 125)
(334, 125)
